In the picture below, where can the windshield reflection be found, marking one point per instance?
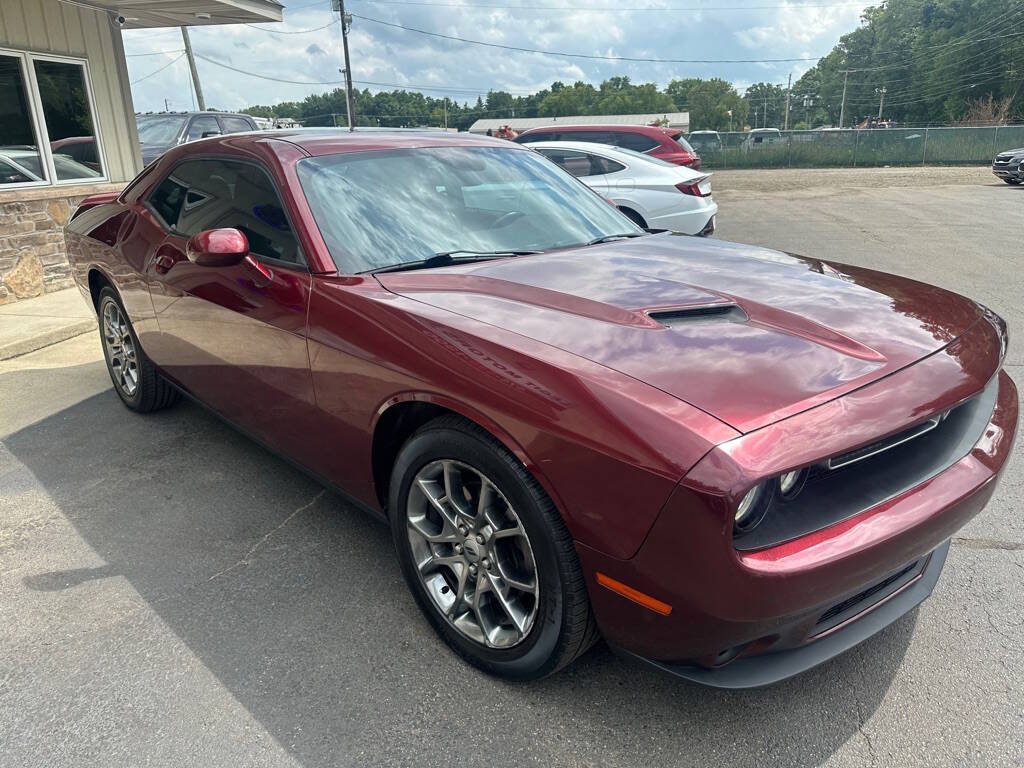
(381, 208)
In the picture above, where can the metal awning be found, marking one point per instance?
(148, 14)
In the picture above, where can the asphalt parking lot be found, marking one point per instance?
(171, 594)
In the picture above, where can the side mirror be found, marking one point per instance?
(208, 134)
(217, 247)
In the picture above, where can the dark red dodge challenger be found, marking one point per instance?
(730, 462)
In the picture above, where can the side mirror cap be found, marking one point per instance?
(217, 247)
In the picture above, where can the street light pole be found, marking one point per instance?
(842, 109)
(346, 22)
(192, 67)
(789, 88)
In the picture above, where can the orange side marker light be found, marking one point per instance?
(635, 595)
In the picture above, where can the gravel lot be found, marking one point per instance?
(171, 594)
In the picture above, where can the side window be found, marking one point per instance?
(638, 142)
(235, 124)
(602, 165)
(200, 125)
(576, 163)
(212, 194)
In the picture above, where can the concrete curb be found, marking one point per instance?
(46, 338)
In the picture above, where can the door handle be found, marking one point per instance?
(163, 263)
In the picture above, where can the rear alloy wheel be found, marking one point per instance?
(485, 553)
(135, 378)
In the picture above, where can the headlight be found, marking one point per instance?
(752, 507)
(791, 483)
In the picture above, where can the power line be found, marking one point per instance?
(158, 71)
(293, 31)
(154, 53)
(581, 55)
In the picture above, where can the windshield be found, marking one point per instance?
(159, 130)
(381, 208)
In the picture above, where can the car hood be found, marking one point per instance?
(1017, 151)
(746, 334)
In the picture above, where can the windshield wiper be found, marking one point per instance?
(447, 258)
(609, 238)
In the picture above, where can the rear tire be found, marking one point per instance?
(486, 554)
(135, 378)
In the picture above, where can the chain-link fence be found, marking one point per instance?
(851, 148)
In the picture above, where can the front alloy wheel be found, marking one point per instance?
(486, 554)
(472, 553)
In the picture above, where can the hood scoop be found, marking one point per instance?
(673, 318)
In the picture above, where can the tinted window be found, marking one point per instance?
(581, 163)
(66, 110)
(635, 141)
(529, 138)
(235, 124)
(380, 208)
(201, 125)
(683, 143)
(212, 194)
(593, 137)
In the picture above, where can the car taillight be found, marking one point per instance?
(699, 188)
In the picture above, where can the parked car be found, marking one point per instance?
(649, 191)
(665, 143)
(81, 149)
(705, 141)
(19, 165)
(1009, 166)
(732, 462)
(761, 137)
(161, 131)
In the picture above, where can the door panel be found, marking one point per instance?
(235, 336)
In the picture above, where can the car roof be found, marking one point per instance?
(331, 141)
(615, 153)
(616, 127)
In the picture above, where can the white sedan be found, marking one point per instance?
(653, 193)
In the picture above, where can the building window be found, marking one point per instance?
(48, 131)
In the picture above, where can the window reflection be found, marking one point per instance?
(20, 161)
(69, 121)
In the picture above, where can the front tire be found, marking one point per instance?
(135, 378)
(1012, 181)
(486, 555)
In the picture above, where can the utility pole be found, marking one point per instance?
(445, 113)
(789, 88)
(192, 67)
(167, 105)
(346, 23)
(881, 100)
(842, 109)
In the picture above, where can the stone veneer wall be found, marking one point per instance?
(33, 259)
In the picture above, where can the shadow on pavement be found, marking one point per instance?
(294, 601)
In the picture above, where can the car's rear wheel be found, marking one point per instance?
(135, 379)
(485, 553)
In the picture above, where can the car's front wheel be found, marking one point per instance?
(1012, 181)
(136, 381)
(486, 555)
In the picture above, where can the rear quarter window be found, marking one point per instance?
(638, 142)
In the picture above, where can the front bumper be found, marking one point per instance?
(766, 669)
(1012, 171)
(742, 619)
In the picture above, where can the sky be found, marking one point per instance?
(694, 29)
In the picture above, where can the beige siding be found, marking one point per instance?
(47, 26)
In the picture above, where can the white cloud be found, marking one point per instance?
(389, 55)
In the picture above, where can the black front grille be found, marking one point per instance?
(851, 606)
